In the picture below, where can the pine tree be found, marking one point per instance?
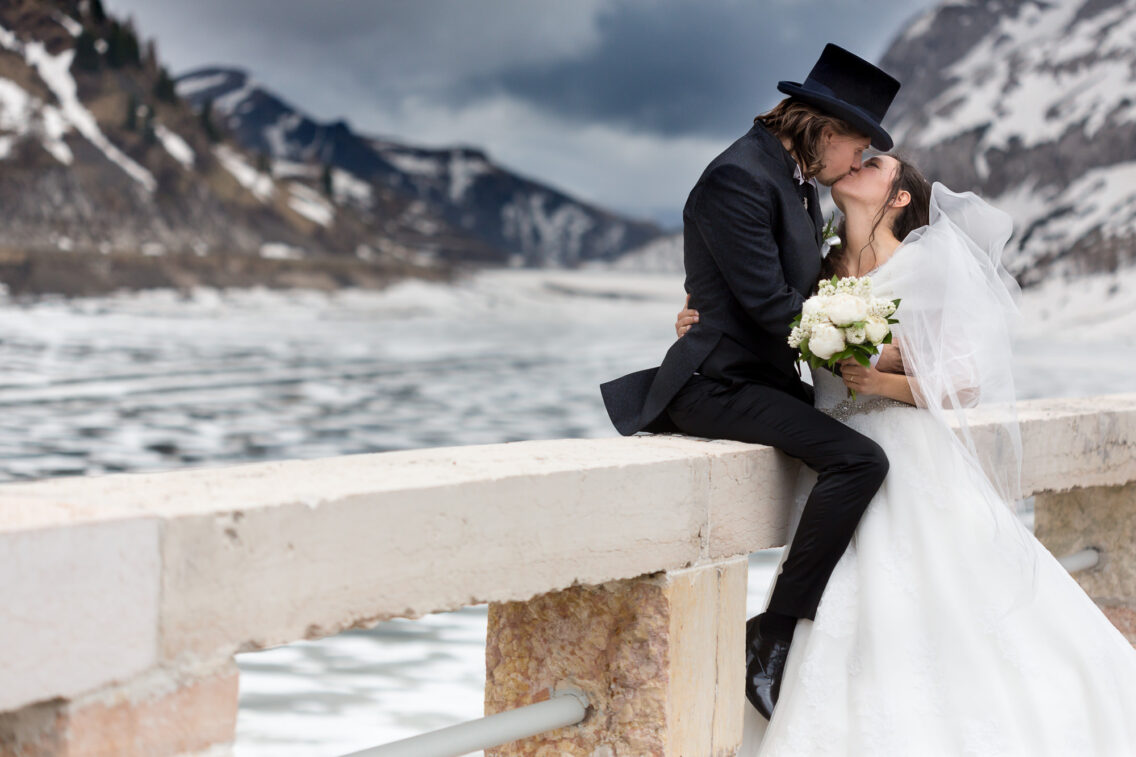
(326, 180)
(150, 56)
(131, 48)
(131, 121)
(122, 46)
(207, 121)
(149, 135)
(115, 55)
(262, 164)
(164, 88)
(98, 15)
(86, 54)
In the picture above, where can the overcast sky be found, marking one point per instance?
(619, 102)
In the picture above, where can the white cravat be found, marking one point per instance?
(800, 177)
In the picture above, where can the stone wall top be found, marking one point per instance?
(193, 565)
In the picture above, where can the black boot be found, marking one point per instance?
(765, 664)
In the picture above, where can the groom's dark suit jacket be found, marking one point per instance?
(752, 255)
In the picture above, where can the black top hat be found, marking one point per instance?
(852, 89)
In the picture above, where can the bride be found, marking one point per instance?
(946, 628)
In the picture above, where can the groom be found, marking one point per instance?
(751, 239)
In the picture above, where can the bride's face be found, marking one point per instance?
(867, 188)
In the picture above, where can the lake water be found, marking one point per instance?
(155, 381)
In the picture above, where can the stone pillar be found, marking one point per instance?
(1105, 518)
(660, 656)
(158, 715)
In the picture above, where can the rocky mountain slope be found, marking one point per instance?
(1032, 104)
(100, 155)
(110, 177)
(515, 219)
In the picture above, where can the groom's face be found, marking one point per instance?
(842, 155)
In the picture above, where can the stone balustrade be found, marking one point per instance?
(616, 565)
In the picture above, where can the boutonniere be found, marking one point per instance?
(828, 234)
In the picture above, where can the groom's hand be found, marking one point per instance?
(687, 317)
(891, 360)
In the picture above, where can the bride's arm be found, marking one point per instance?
(899, 387)
(869, 380)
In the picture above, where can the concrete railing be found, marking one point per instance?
(614, 565)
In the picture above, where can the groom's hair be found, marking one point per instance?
(803, 125)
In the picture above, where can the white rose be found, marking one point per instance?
(826, 341)
(855, 334)
(845, 309)
(877, 329)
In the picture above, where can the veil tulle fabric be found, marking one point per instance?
(959, 306)
(958, 310)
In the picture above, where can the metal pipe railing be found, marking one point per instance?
(1089, 557)
(565, 706)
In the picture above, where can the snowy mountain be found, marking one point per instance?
(1032, 104)
(514, 219)
(110, 179)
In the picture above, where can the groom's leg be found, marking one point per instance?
(850, 468)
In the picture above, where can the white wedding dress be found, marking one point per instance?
(946, 628)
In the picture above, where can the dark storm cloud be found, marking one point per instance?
(348, 51)
(620, 102)
(681, 68)
(693, 68)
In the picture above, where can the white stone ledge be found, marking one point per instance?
(189, 566)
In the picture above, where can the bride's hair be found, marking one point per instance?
(910, 217)
(803, 125)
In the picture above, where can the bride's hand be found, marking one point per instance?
(687, 317)
(860, 379)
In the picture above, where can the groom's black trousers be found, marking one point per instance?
(850, 468)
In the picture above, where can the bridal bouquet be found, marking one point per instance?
(842, 320)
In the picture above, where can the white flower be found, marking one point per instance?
(826, 341)
(876, 329)
(845, 309)
(796, 336)
(855, 334)
(881, 307)
(826, 289)
(810, 320)
(814, 306)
